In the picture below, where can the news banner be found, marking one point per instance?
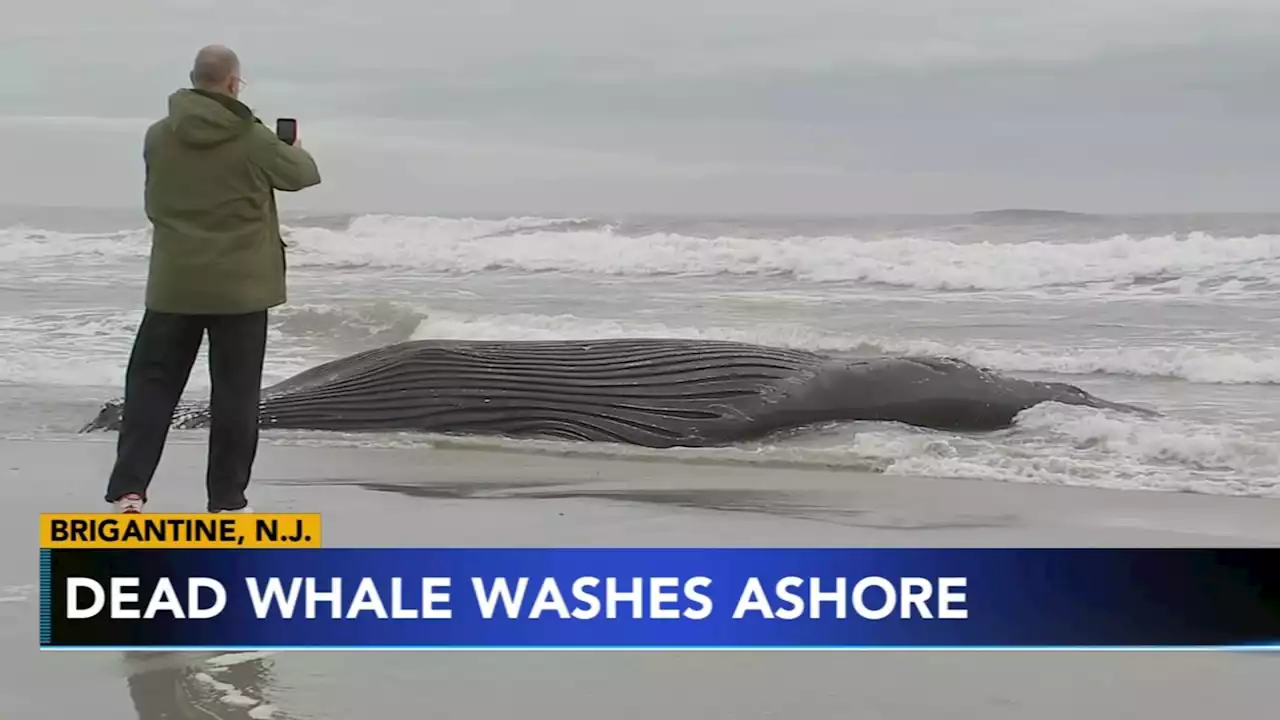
(266, 582)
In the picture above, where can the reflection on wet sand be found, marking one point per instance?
(778, 503)
(189, 686)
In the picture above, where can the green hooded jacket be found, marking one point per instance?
(211, 172)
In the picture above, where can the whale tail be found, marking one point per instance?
(108, 418)
(111, 416)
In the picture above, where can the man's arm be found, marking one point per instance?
(289, 168)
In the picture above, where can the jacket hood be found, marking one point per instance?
(204, 119)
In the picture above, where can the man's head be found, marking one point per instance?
(217, 69)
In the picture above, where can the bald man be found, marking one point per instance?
(217, 266)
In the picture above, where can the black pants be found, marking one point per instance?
(164, 352)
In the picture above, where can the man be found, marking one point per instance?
(217, 265)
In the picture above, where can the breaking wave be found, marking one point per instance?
(90, 346)
(1195, 264)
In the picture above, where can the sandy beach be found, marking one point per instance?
(471, 497)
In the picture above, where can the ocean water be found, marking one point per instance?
(1180, 313)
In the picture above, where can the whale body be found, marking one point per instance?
(650, 392)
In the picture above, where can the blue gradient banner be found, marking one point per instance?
(660, 598)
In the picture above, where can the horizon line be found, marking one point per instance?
(831, 214)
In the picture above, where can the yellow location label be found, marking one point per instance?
(179, 530)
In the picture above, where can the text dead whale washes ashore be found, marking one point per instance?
(650, 392)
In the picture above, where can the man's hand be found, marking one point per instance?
(288, 171)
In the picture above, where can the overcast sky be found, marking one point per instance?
(717, 106)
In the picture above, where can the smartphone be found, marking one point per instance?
(287, 130)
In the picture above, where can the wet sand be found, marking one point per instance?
(452, 497)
